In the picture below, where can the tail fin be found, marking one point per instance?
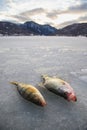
(14, 82)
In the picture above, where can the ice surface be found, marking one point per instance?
(25, 59)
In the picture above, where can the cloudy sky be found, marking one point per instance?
(57, 13)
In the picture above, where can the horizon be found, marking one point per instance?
(57, 14)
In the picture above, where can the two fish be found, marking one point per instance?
(53, 84)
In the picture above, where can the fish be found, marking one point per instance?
(59, 87)
(30, 93)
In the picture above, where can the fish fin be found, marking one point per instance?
(14, 83)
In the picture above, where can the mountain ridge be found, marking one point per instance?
(29, 28)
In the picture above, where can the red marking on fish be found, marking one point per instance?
(71, 95)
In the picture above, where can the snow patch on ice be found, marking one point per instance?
(84, 70)
(2, 50)
(81, 74)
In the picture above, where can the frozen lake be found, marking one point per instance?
(25, 59)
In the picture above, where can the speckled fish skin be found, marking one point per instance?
(30, 93)
(59, 87)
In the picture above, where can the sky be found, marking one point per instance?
(57, 13)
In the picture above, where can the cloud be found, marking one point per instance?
(77, 9)
(50, 23)
(53, 14)
(27, 15)
(82, 19)
(12, 6)
(33, 12)
(66, 24)
(19, 18)
(81, 9)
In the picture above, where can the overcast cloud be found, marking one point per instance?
(56, 13)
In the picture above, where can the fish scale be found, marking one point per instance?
(30, 93)
(59, 87)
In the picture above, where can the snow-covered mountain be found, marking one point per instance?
(40, 29)
(28, 28)
(32, 28)
(76, 29)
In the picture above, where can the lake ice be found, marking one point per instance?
(25, 59)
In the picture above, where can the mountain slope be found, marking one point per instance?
(40, 29)
(74, 30)
(28, 28)
(32, 28)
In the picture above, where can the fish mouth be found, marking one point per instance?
(71, 97)
(75, 98)
(44, 77)
(43, 104)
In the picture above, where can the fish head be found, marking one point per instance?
(39, 100)
(42, 102)
(44, 78)
(71, 96)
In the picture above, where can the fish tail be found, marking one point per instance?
(14, 83)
